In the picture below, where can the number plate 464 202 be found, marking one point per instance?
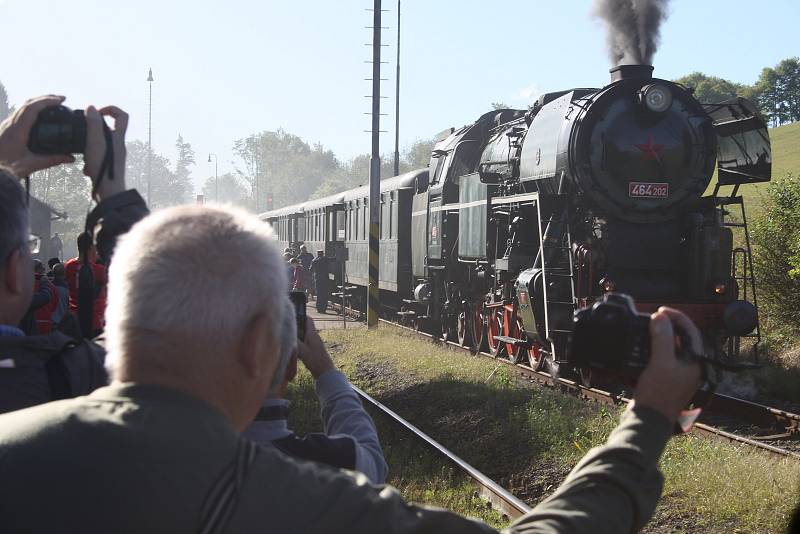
(648, 190)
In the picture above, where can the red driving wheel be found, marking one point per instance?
(494, 328)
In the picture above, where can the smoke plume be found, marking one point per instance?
(633, 28)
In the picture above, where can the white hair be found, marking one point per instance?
(195, 274)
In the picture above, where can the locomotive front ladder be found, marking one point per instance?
(558, 281)
(741, 269)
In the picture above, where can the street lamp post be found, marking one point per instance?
(150, 136)
(216, 179)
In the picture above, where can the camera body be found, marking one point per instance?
(58, 130)
(611, 335)
(299, 299)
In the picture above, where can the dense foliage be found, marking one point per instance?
(776, 234)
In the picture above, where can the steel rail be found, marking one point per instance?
(500, 498)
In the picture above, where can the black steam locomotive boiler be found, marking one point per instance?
(525, 216)
(532, 214)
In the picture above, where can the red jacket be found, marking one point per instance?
(44, 315)
(99, 309)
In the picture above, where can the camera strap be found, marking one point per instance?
(107, 167)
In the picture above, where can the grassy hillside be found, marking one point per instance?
(785, 149)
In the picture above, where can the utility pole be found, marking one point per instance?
(397, 101)
(150, 137)
(373, 300)
(216, 178)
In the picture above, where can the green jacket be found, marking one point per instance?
(136, 458)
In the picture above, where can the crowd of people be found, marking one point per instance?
(176, 422)
(67, 297)
(309, 274)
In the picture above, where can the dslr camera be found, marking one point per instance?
(611, 335)
(58, 130)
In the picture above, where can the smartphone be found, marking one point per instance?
(298, 298)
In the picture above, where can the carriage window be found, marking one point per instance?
(365, 230)
(392, 209)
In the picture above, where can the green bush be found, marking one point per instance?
(776, 254)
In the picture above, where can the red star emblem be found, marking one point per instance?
(650, 150)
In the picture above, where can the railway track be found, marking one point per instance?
(760, 427)
(726, 418)
(500, 499)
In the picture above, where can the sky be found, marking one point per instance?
(225, 70)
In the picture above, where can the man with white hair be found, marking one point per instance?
(160, 449)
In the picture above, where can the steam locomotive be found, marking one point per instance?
(525, 216)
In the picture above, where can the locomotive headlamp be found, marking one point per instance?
(720, 288)
(656, 97)
(608, 284)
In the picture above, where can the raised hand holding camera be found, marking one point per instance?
(15, 134)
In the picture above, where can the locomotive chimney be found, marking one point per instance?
(621, 72)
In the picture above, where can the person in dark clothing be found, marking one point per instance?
(305, 257)
(350, 440)
(56, 247)
(40, 368)
(50, 264)
(41, 298)
(86, 279)
(320, 269)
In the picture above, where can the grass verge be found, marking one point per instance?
(527, 438)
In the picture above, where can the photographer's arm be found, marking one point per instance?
(118, 208)
(342, 411)
(615, 488)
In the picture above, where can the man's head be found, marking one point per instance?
(55, 234)
(38, 267)
(86, 246)
(16, 278)
(303, 248)
(59, 272)
(196, 299)
(51, 262)
(320, 253)
(287, 256)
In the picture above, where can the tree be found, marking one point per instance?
(788, 72)
(68, 191)
(497, 106)
(182, 172)
(167, 189)
(283, 166)
(5, 109)
(418, 155)
(712, 90)
(231, 188)
(776, 254)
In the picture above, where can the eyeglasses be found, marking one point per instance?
(34, 243)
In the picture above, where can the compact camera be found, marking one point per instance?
(58, 130)
(611, 335)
